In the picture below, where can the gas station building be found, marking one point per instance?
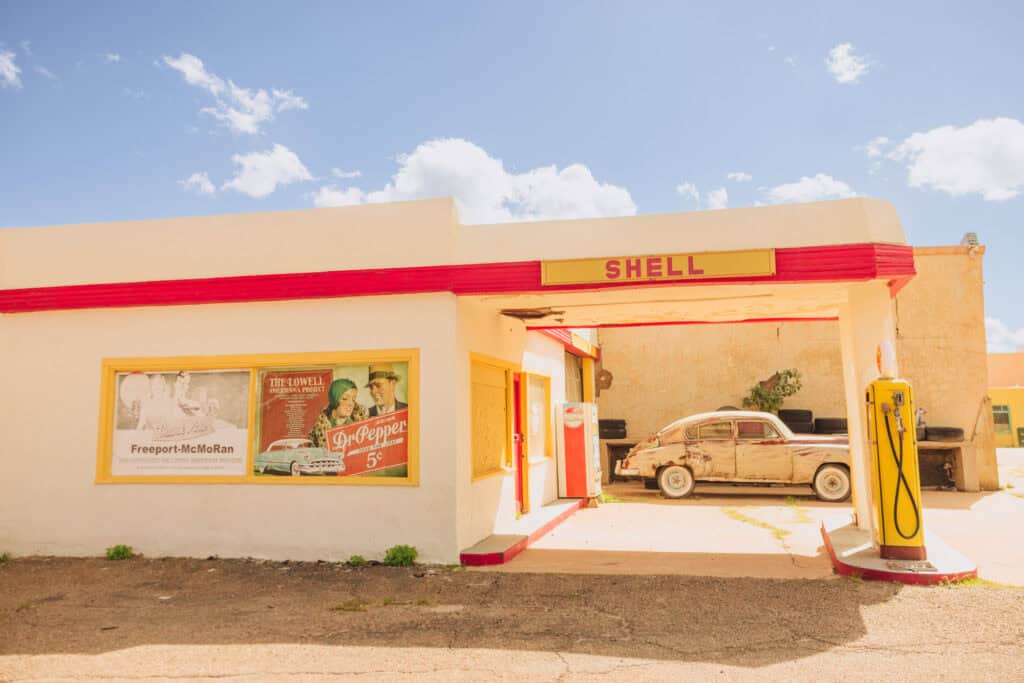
(478, 329)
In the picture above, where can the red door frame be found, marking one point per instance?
(519, 450)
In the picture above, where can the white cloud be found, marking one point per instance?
(286, 100)
(198, 183)
(240, 109)
(688, 190)
(26, 47)
(713, 199)
(43, 71)
(487, 193)
(876, 146)
(717, 199)
(344, 175)
(985, 158)
(9, 71)
(814, 189)
(740, 177)
(1001, 339)
(333, 196)
(260, 173)
(112, 57)
(844, 65)
(135, 94)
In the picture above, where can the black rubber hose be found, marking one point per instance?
(901, 478)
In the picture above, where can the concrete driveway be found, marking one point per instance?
(765, 532)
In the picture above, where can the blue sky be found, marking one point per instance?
(115, 111)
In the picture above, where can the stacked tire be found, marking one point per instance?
(830, 425)
(798, 421)
(611, 429)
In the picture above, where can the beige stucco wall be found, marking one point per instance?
(1006, 369)
(940, 318)
(49, 503)
(488, 505)
(481, 503)
(662, 373)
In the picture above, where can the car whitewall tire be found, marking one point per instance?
(832, 484)
(675, 481)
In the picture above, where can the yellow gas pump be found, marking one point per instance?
(895, 476)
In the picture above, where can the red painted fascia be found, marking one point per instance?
(840, 263)
(557, 328)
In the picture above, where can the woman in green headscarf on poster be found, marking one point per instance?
(342, 409)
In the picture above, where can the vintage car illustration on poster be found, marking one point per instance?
(739, 447)
(296, 457)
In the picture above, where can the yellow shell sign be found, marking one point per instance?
(664, 267)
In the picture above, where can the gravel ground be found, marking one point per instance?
(71, 618)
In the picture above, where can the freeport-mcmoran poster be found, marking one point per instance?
(273, 422)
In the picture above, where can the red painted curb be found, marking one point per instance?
(484, 559)
(844, 569)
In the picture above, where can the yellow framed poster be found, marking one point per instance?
(309, 418)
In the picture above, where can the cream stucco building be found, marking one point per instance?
(452, 313)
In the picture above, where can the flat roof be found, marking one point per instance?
(407, 235)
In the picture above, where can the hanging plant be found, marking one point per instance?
(767, 396)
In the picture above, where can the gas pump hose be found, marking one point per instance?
(901, 478)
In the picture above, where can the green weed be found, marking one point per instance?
(777, 533)
(801, 515)
(978, 582)
(5, 558)
(400, 556)
(354, 605)
(357, 561)
(120, 552)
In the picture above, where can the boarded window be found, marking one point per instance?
(1001, 417)
(489, 418)
(755, 429)
(715, 430)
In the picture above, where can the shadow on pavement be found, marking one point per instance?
(90, 606)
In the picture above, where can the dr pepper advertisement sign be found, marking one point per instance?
(377, 444)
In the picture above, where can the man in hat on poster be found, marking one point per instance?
(381, 383)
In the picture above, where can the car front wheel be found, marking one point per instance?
(675, 481)
(832, 484)
(294, 470)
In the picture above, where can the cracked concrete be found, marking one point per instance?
(248, 621)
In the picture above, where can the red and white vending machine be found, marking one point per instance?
(579, 452)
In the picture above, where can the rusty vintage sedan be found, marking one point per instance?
(742, 447)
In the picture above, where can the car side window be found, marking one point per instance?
(715, 430)
(755, 429)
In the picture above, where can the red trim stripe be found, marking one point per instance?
(550, 330)
(841, 263)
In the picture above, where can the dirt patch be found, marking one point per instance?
(62, 605)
